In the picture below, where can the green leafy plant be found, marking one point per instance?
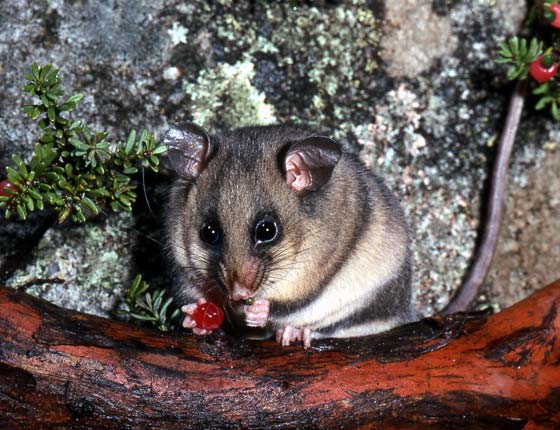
(519, 54)
(150, 306)
(532, 58)
(550, 95)
(74, 169)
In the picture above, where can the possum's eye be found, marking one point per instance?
(266, 231)
(211, 234)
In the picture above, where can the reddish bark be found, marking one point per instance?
(62, 369)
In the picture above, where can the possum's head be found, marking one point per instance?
(248, 206)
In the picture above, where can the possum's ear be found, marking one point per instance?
(309, 163)
(188, 149)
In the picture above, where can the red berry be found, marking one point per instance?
(6, 185)
(540, 73)
(208, 316)
(555, 8)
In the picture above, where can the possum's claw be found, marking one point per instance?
(288, 334)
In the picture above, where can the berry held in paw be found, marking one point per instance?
(208, 316)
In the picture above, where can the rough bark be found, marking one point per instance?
(63, 369)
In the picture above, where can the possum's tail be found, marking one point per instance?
(468, 290)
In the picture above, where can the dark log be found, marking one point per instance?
(61, 369)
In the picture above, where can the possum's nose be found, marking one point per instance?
(240, 292)
(243, 283)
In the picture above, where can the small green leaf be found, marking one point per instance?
(51, 114)
(514, 45)
(514, 73)
(159, 150)
(35, 195)
(51, 198)
(142, 317)
(78, 211)
(163, 310)
(21, 212)
(17, 160)
(75, 125)
(76, 143)
(52, 96)
(63, 214)
(135, 284)
(157, 300)
(554, 110)
(63, 185)
(30, 204)
(505, 51)
(47, 138)
(28, 109)
(90, 205)
(75, 98)
(534, 47)
(13, 176)
(52, 176)
(523, 48)
(35, 71)
(44, 71)
(66, 107)
(143, 135)
(130, 142)
(46, 102)
(543, 101)
(124, 201)
(52, 76)
(21, 165)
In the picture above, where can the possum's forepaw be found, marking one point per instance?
(288, 334)
(257, 314)
(189, 322)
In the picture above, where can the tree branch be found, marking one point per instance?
(63, 369)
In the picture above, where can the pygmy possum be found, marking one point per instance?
(292, 220)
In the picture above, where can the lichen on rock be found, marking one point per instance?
(225, 95)
(415, 36)
(84, 267)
